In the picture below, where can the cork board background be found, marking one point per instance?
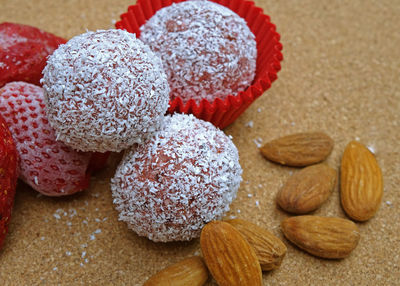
(340, 74)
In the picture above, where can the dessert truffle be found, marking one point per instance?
(183, 177)
(207, 50)
(105, 91)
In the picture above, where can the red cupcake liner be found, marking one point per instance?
(222, 112)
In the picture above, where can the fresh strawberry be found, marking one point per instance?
(47, 165)
(23, 52)
(8, 177)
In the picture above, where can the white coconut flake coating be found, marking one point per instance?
(182, 178)
(207, 50)
(105, 91)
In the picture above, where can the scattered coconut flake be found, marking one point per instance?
(72, 212)
(257, 203)
(259, 110)
(68, 253)
(57, 216)
(372, 149)
(250, 124)
(249, 195)
(389, 203)
(257, 143)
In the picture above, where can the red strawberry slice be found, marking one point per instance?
(8, 177)
(23, 52)
(48, 166)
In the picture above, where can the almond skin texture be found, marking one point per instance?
(307, 189)
(361, 182)
(326, 237)
(229, 257)
(269, 249)
(298, 150)
(190, 271)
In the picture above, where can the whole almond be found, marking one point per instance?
(269, 249)
(229, 257)
(361, 183)
(190, 271)
(301, 149)
(307, 189)
(326, 237)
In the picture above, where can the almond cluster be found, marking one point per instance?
(236, 251)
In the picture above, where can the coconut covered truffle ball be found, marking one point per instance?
(207, 50)
(105, 91)
(182, 178)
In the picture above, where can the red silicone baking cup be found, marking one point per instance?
(221, 112)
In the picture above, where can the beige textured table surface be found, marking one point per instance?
(340, 74)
